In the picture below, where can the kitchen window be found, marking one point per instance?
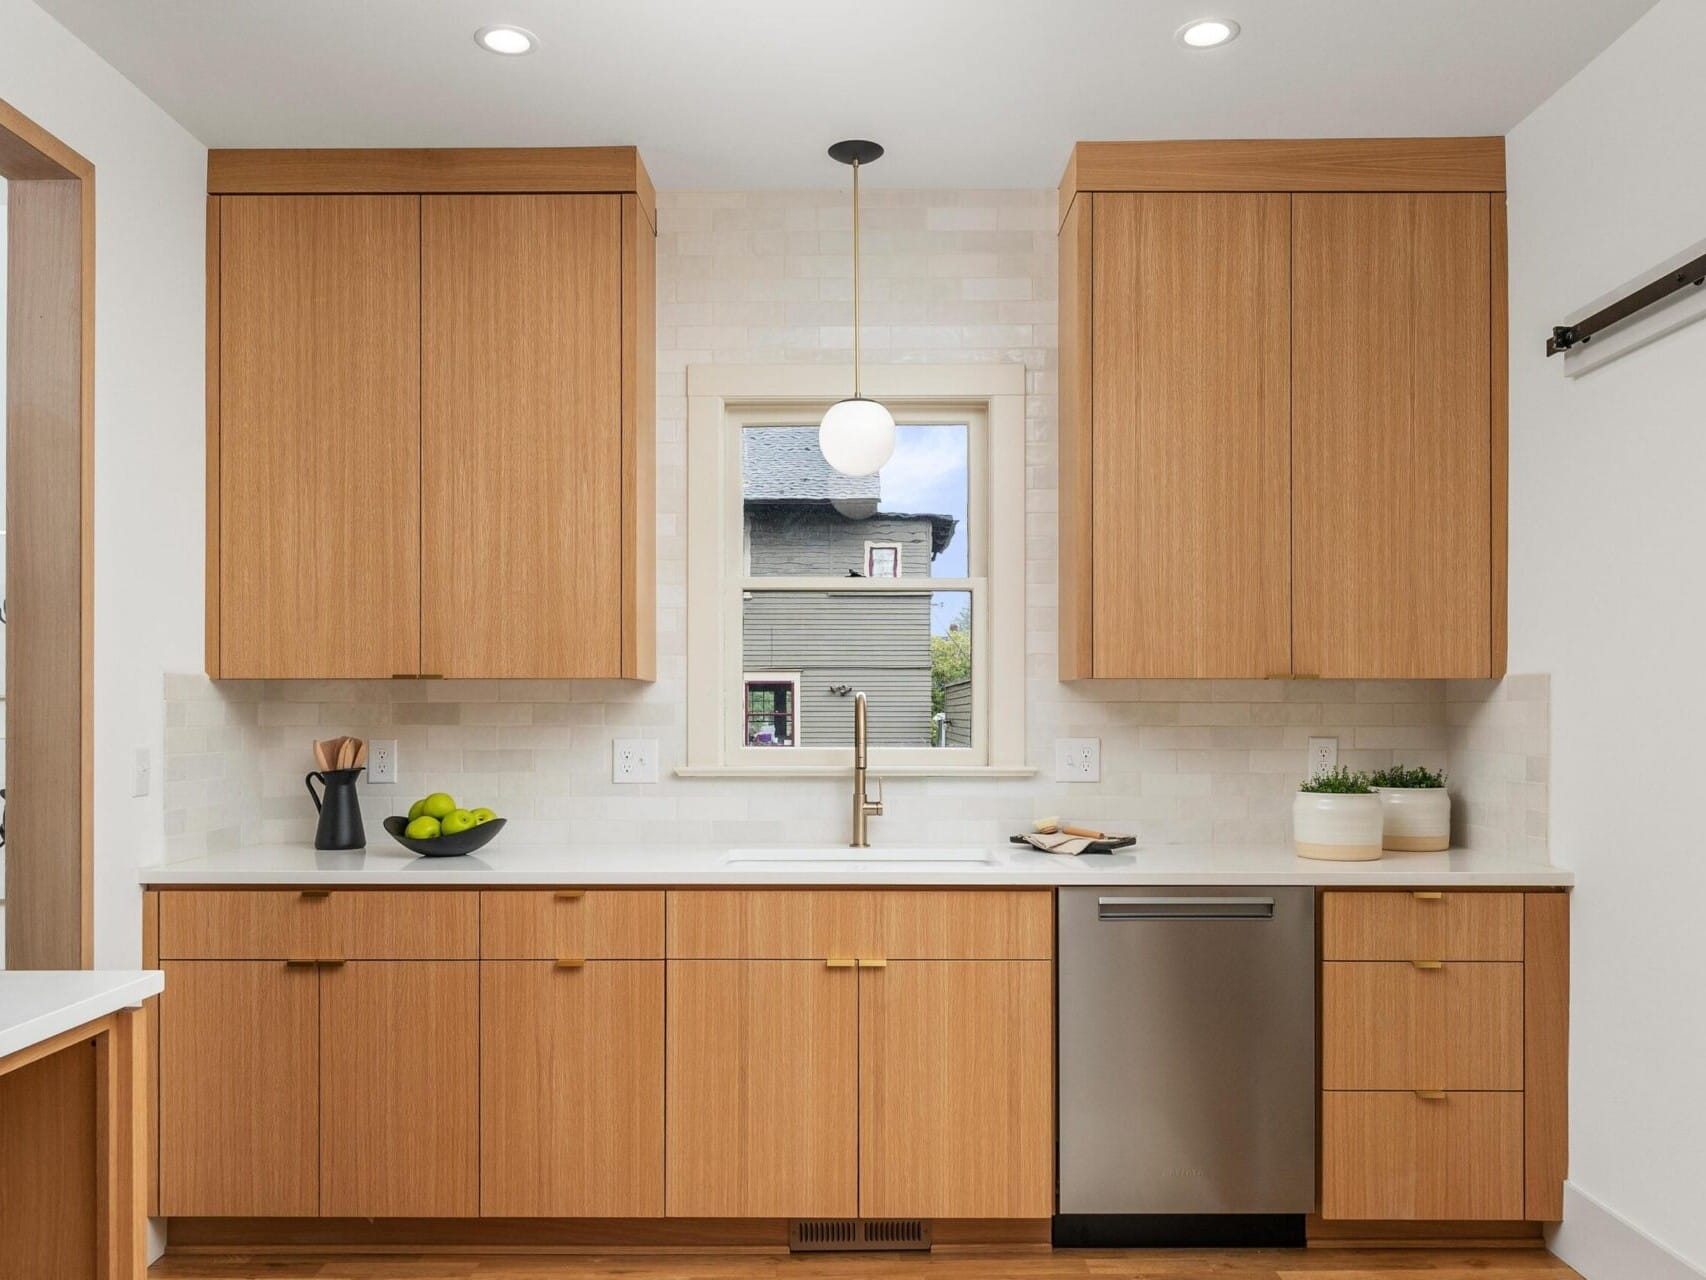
(806, 586)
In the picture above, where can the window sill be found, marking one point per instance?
(844, 771)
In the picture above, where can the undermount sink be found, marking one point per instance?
(834, 856)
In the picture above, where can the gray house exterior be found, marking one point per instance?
(805, 652)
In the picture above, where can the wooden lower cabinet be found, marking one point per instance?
(1399, 1155)
(1397, 1026)
(763, 1089)
(239, 1089)
(399, 1089)
(571, 1089)
(956, 1089)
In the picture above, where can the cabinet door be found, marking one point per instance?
(1391, 436)
(1191, 413)
(1395, 1155)
(763, 1089)
(319, 436)
(571, 1089)
(239, 1089)
(956, 1089)
(522, 435)
(399, 1089)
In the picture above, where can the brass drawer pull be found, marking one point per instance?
(1427, 895)
(331, 962)
(1428, 964)
(571, 962)
(841, 962)
(298, 962)
(873, 962)
(1430, 1095)
(311, 895)
(569, 895)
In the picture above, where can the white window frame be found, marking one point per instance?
(792, 678)
(899, 557)
(721, 400)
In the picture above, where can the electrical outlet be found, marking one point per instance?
(634, 760)
(143, 778)
(1323, 755)
(381, 760)
(1077, 759)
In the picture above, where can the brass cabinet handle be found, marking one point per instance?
(1427, 895)
(315, 894)
(331, 962)
(841, 962)
(873, 962)
(569, 895)
(1428, 964)
(1430, 1095)
(571, 962)
(307, 962)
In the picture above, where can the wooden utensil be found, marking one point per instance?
(360, 753)
(346, 753)
(322, 760)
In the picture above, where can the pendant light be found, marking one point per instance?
(856, 435)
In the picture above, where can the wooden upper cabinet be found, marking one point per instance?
(1391, 435)
(430, 432)
(317, 362)
(1281, 434)
(1190, 435)
(521, 433)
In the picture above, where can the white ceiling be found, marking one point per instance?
(748, 93)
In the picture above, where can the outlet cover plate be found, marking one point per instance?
(381, 760)
(1077, 759)
(1323, 755)
(634, 760)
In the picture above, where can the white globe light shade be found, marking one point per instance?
(856, 436)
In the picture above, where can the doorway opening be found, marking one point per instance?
(48, 690)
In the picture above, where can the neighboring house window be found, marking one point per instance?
(806, 586)
(772, 708)
(882, 559)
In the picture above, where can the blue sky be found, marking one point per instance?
(927, 475)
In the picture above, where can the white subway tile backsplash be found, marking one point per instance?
(765, 276)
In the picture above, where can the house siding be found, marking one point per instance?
(803, 543)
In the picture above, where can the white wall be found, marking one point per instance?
(1607, 525)
(150, 185)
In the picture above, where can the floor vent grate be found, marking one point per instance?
(824, 1235)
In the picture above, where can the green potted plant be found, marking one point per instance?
(1417, 809)
(1336, 816)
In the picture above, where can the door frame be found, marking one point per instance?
(50, 547)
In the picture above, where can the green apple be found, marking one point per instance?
(483, 815)
(456, 821)
(438, 805)
(417, 808)
(425, 827)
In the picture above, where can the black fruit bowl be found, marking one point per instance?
(468, 841)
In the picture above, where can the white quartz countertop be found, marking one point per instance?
(38, 1004)
(1161, 864)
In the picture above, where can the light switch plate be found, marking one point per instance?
(634, 760)
(1077, 759)
(143, 777)
(381, 760)
(1323, 755)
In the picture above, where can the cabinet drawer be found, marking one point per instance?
(348, 924)
(896, 924)
(588, 924)
(1397, 1026)
(1457, 1157)
(1421, 925)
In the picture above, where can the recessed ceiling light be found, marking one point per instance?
(512, 42)
(1205, 33)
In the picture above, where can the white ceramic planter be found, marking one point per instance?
(1417, 819)
(1336, 828)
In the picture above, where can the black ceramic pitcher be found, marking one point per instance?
(340, 811)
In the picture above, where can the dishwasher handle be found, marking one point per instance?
(1184, 908)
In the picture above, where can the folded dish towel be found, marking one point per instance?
(1061, 842)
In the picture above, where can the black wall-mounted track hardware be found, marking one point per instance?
(1689, 275)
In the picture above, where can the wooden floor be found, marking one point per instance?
(1158, 1264)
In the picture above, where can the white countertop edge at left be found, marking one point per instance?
(39, 1004)
(1007, 866)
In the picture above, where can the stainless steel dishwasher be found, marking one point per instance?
(1187, 1064)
